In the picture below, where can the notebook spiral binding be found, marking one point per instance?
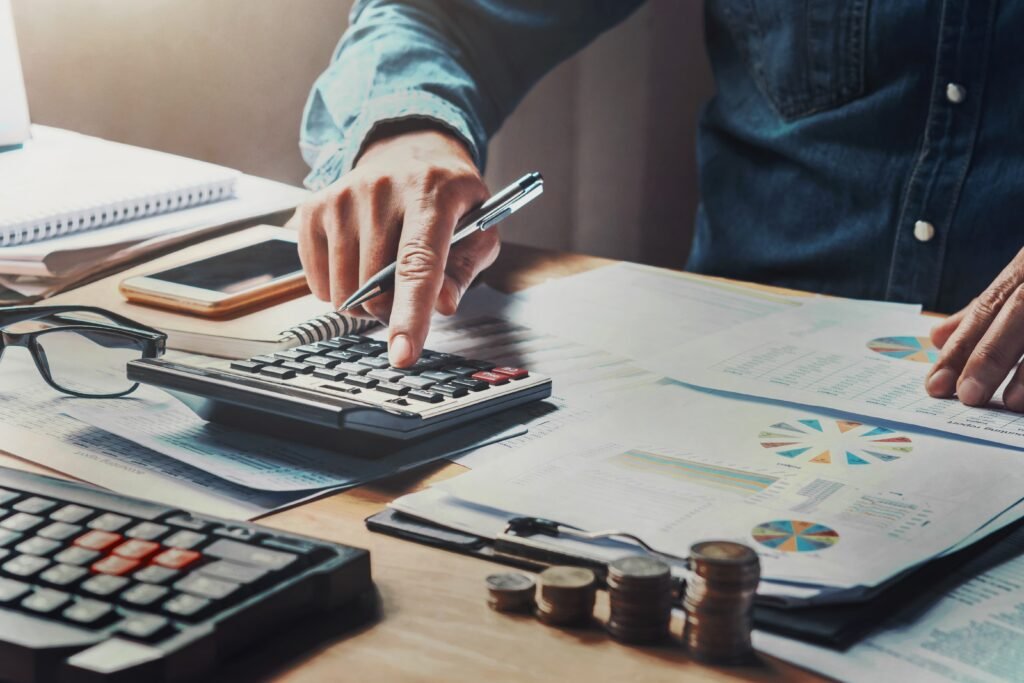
(329, 325)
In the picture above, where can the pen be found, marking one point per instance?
(490, 213)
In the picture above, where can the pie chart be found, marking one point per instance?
(918, 349)
(795, 536)
(837, 443)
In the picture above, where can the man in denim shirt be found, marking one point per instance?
(862, 149)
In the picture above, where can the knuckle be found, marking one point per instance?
(989, 357)
(417, 260)
(991, 300)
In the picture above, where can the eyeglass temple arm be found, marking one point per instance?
(16, 314)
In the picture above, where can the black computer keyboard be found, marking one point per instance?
(96, 586)
(344, 386)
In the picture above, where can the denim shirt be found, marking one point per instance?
(866, 149)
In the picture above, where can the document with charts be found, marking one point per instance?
(826, 354)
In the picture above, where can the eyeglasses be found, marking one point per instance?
(77, 354)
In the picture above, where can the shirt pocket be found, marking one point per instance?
(805, 56)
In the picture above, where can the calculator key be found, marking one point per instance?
(72, 514)
(369, 348)
(322, 361)
(114, 565)
(354, 338)
(333, 375)
(417, 382)
(376, 362)
(266, 360)
(88, 612)
(63, 575)
(135, 549)
(439, 376)
(463, 370)
(8, 537)
(187, 521)
(232, 571)
(352, 368)
(313, 348)
(60, 531)
(385, 375)
(177, 558)
(7, 496)
(422, 364)
(492, 378)
(110, 522)
(46, 600)
(450, 390)
(278, 372)
(11, 590)
(511, 373)
(145, 626)
(479, 364)
(147, 531)
(206, 586)
(38, 546)
(22, 521)
(185, 605)
(345, 356)
(250, 554)
(335, 344)
(185, 539)
(143, 594)
(300, 368)
(425, 396)
(103, 585)
(155, 574)
(471, 384)
(98, 540)
(246, 366)
(76, 555)
(25, 565)
(35, 505)
(292, 355)
(360, 381)
(241, 533)
(392, 388)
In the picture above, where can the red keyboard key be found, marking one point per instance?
(97, 540)
(176, 558)
(114, 565)
(490, 377)
(512, 373)
(135, 549)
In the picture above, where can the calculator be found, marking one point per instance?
(344, 387)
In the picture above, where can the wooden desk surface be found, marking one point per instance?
(434, 624)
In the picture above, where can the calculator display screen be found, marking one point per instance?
(239, 270)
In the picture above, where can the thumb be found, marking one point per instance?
(466, 260)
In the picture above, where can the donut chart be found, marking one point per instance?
(839, 443)
(795, 536)
(919, 349)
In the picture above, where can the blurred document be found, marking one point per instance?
(831, 355)
(14, 121)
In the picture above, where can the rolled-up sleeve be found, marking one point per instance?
(462, 64)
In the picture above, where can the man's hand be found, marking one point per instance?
(982, 343)
(400, 202)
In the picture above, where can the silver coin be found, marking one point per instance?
(638, 566)
(509, 581)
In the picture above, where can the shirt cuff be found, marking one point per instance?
(334, 161)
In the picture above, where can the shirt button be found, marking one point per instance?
(955, 93)
(924, 231)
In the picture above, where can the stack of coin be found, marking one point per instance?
(565, 596)
(719, 600)
(510, 592)
(640, 597)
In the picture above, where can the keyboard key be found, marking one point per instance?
(491, 378)
(439, 376)
(25, 565)
(512, 373)
(206, 586)
(72, 514)
(38, 546)
(176, 558)
(103, 585)
(155, 574)
(416, 382)
(322, 361)
(292, 355)
(333, 375)
(187, 521)
(246, 366)
(375, 362)
(7, 496)
(344, 356)
(392, 388)
(143, 594)
(244, 553)
(63, 575)
(110, 522)
(98, 540)
(11, 590)
(89, 612)
(22, 521)
(185, 605)
(136, 549)
(185, 539)
(278, 372)
(147, 531)
(8, 537)
(76, 555)
(300, 368)
(471, 384)
(385, 375)
(60, 531)
(114, 565)
(266, 360)
(450, 390)
(232, 571)
(359, 381)
(369, 348)
(46, 600)
(145, 626)
(352, 368)
(425, 396)
(35, 505)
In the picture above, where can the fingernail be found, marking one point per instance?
(942, 383)
(1013, 396)
(970, 392)
(400, 350)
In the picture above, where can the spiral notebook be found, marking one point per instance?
(60, 182)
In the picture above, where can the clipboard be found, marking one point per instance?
(837, 626)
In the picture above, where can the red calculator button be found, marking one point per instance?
(112, 564)
(135, 549)
(490, 377)
(176, 558)
(512, 373)
(97, 540)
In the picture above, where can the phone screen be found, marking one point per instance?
(239, 270)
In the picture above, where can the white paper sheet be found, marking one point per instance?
(14, 122)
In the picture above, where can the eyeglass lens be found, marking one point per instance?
(89, 361)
